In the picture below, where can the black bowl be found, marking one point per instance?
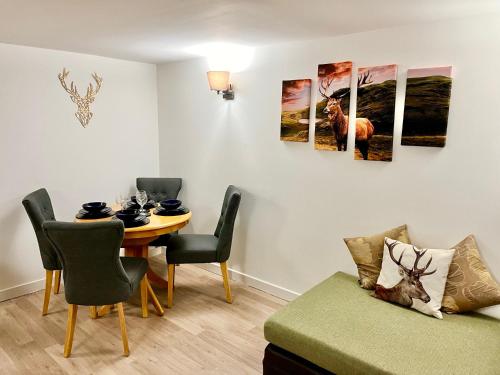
(132, 205)
(127, 215)
(171, 204)
(94, 206)
(133, 198)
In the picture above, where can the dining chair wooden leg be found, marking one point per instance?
(57, 281)
(48, 289)
(170, 286)
(144, 296)
(123, 328)
(156, 303)
(70, 329)
(225, 277)
(173, 278)
(93, 312)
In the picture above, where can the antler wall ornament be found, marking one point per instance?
(83, 113)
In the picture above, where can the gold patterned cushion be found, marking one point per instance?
(469, 286)
(367, 253)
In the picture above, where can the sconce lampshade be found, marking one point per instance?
(218, 80)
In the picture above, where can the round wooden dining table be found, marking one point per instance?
(136, 240)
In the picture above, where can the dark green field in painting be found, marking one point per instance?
(380, 149)
(377, 102)
(426, 111)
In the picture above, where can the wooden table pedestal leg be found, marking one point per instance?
(142, 251)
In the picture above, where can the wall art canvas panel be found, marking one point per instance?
(375, 112)
(295, 106)
(426, 107)
(332, 106)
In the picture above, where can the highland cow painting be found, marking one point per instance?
(295, 106)
(375, 113)
(332, 107)
(427, 102)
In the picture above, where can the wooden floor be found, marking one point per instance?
(201, 334)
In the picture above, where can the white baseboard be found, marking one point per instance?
(21, 290)
(254, 282)
(275, 290)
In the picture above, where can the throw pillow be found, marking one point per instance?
(367, 253)
(470, 286)
(412, 277)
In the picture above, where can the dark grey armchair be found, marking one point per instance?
(39, 208)
(94, 273)
(206, 248)
(159, 189)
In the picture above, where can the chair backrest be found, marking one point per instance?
(225, 226)
(90, 253)
(160, 188)
(39, 209)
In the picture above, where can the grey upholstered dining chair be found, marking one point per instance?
(206, 248)
(39, 208)
(94, 273)
(159, 189)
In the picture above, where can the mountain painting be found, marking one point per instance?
(427, 103)
(295, 105)
(332, 106)
(375, 107)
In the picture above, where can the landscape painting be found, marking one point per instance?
(427, 103)
(375, 112)
(332, 107)
(295, 106)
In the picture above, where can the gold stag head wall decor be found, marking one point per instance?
(83, 113)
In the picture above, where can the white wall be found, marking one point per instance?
(299, 203)
(44, 145)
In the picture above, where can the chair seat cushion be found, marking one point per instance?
(135, 268)
(338, 326)
(192, 248)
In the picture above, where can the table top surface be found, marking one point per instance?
(156, 222)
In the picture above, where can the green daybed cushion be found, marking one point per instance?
(340, 327)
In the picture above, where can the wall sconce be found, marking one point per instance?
(219, 81)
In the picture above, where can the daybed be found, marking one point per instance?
(337, 327)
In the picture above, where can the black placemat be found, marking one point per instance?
(137, 222)
(178, 211)
(105, 212)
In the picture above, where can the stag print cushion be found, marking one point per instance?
(367, 253)
(413, 277)
(469, 286)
